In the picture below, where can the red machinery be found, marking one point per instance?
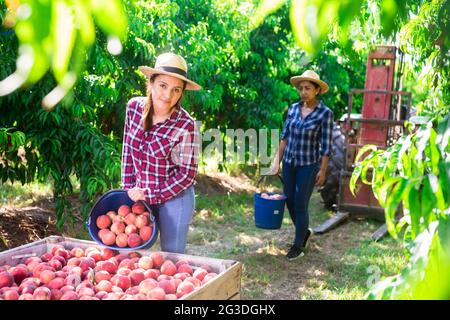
(384, 110)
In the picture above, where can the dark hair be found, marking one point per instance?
(147, 118)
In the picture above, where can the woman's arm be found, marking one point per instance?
(325, 147)
(275, 168)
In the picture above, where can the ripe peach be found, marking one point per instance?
(121, 256)
(72, 280)
(200, 273)
(134, 254)
(67, 288)
(11, 294)
(181, 276)
(69, 295)
(104, 285)
(209, 277)
(134, 240)
(145, 263)
(102, 233)
(62, 252)
(101, 294)
(146, 233)
(28, 288)
(55, 264)
(111, 214)
(156, 294)
(131, 228)
(55, 294)
(130, 218)
(86, 263)
(46, 257)
(77, 252)
(96, 255)
(111, 296)
(118, 227)
(123, 210)
(109, 238)
(138, 208)
(157, 258)
(185, 268)
(108, 266)
(41, 267)
(206, 267)
(180, 262)
(136, 277)
(26, 296)
(19, 273)
(127, 263)
(122, 282)
(171, 297)
(152, 273)
(42, 293)
(146, 285)
(196, 282)
(168, 268)
(122, 240)
(132, 290)
(103, 221)
(184, 288)
(60, 259)
(141, 221)
(168, 286)
(146, 214)
(85, 291)
(106, 253)
(56, 247)
(56, 283)
(101, 275)
(74, 262)
(118, 218)
(123, 271)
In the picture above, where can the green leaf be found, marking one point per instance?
(393, 202)
(63, 33)
(111, 17)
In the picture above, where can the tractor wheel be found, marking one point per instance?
(330, 190)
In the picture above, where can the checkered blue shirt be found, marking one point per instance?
(307, 139)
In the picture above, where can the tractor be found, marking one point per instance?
(381, 122)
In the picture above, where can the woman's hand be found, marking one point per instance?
(274, 169)
(320, 178)
(136, 194)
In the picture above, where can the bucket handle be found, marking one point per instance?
(265, 176)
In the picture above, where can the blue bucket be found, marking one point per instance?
(111, 201)
(268, 212)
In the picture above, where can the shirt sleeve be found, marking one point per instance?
(185, 157)
(128, 172)
(327, 133)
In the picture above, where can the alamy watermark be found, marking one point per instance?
(236, 146)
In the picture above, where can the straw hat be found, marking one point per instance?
(172, 65)
(311, 76)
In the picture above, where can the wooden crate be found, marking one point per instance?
(226, 285)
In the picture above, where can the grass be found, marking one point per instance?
(341, 264)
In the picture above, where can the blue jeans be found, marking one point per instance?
(173, 218)
(298, 186)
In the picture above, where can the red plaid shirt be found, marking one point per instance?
(163, 160)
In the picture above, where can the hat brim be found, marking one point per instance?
(190, 85)
(323, 85)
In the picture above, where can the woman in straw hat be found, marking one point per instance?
(305, 148)
(160, 145)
